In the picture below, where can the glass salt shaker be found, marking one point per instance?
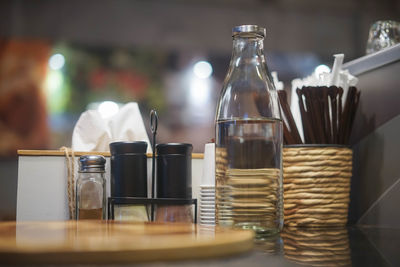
(91, 188)
(248, 154)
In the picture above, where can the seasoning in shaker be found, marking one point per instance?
(91, 188)
(129, 179)
(174, 180)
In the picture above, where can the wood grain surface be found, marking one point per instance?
(22, 152)
(116, 242)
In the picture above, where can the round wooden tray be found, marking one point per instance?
(116, 242)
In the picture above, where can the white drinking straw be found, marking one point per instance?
(337, 66)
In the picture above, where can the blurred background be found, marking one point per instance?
(61, 58)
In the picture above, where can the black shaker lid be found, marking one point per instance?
(174, 148)
(138, 147)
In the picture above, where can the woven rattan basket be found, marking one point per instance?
(316, 181)
(317, 247)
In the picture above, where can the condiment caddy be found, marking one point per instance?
(171, 191)
(35, 202)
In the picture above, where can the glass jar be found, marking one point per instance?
(248, 154)
(91, 188)
(383, 34)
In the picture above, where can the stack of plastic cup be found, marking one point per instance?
(207, 187)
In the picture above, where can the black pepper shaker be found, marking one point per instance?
(129, 179)
(174, 180)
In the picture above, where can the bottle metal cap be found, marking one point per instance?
(92, 163)
(249, 29)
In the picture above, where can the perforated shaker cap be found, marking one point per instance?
(92, 163)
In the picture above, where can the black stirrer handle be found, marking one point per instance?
(153, 128)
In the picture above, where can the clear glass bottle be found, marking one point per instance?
(248, 153)
(91, 188)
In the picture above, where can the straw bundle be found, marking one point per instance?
(325, 117)
(316, 185)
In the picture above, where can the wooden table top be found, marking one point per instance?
(24, 152)
(116, 242)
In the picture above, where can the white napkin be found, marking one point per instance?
(94, 133)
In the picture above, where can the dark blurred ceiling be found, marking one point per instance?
(319, 26)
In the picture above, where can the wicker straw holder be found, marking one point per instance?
(316, 181)
(317, 247)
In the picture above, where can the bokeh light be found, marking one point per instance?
(202, 69)
(108, 109)
(56, 61)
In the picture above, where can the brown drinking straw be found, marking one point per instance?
(328, 128)
(333, 93)
(352, 112)
(345, 116)
(287, 136)
(340, 113)
(315, 113)
(350, 97)
(324, 118)
(309, 113)
(319, 101)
